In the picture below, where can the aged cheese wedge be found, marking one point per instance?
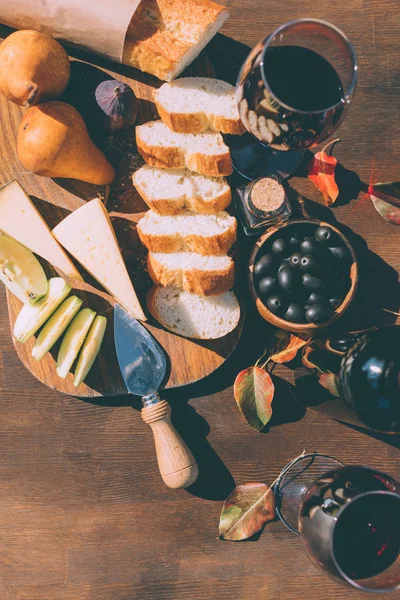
(88, 235)
(20, 219)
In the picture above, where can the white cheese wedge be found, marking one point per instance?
(20, 219)
(89, 237)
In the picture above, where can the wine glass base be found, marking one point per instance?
(294, 482)
(251, 159)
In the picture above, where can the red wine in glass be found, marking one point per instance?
(292, 92)
(366, 538)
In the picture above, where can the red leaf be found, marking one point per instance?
(246, 510)
(254, 391)
(321, 171)
(329, 382)
(286, 347)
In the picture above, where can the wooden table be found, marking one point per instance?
(84, 514)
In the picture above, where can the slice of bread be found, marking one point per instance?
(198, 104)
(203, 275)
(199, 317)
(204, 153)
(165, 36)
(170, 191)
(208, 235)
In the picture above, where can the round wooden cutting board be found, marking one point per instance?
(189, 360)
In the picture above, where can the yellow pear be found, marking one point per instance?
(53, 141)
(33, 68)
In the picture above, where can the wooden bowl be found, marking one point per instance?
(288, 325)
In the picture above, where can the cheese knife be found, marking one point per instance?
(143, 367)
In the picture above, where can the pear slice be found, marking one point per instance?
(21, 272)
(31, 318)
(73, 341)
(90, 349)
(56, 326)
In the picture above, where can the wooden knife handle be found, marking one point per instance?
(177, 464)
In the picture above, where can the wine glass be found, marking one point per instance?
(348, 519)
(292, 93)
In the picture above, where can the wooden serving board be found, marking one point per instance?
(189, 360)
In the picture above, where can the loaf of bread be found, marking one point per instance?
(200, 317)
(171, 191)
(209, 235)
(198, 104)
(165, 36)
(204, 153)
(203, 275)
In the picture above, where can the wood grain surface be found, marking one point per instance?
(188, 360)
(84, 513)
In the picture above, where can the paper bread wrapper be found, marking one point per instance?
(98, 26)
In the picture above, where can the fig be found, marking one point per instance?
(118, 104)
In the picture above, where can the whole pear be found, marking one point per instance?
(33, 68)
(53, 141)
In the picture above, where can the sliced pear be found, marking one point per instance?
(56, 326)
(73, 341)
(90, 349)
(31, 318)
(21, 271)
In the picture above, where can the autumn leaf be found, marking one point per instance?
(286, 347)
(388, 192)
(246, 510)
(330, 382)
(316, 357)
(321, 171)
(390, 213)
(254, 391)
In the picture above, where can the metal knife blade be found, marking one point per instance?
(141, 359)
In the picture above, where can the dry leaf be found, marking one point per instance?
(254, 392)
(321, 171)
(246, 510)
(386, 200)
(330, 382)
(388, 192)
(286, 347)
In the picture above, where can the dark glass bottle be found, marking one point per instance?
(370, 379)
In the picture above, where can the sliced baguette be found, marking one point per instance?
(170, 191)
(165, 36)
(198, 104)
(208, 235)
(192, 316)
(203, 275)
(204, 153)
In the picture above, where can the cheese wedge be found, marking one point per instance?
(88, 235)
(20, 219)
